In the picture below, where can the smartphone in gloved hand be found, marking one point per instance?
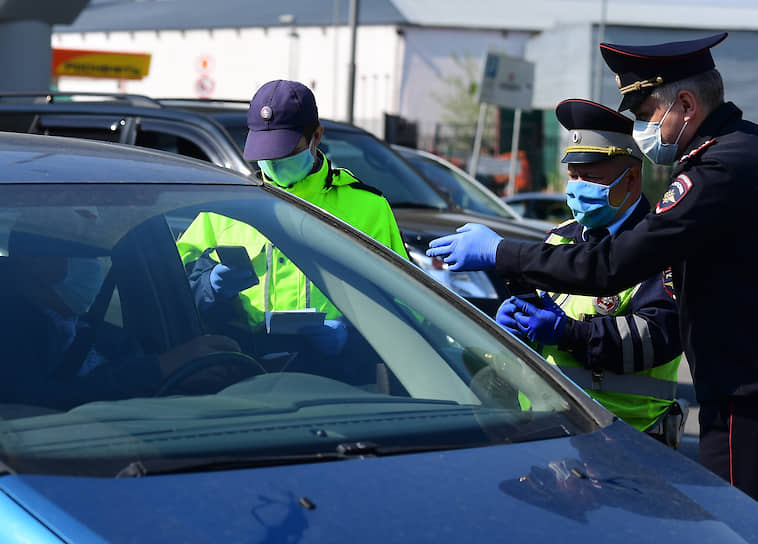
(525, 293)
(532, 297)
(235, 257)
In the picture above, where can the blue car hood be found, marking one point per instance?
(614, 485)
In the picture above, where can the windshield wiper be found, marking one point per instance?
(343, 451)
(137, 469)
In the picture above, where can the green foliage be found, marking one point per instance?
(460, 109)
(655, 180)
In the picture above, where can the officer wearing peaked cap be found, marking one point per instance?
(702, 227)
(623, 349)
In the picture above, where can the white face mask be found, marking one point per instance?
(648, 138)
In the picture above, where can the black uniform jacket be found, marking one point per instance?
(702, 228)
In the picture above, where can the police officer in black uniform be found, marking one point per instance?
(701, 227)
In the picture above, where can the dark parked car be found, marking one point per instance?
(434, 424)
(216, 130)
(549, 207)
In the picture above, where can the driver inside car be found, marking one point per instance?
(53, 357)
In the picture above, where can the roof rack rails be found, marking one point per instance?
(62, 96)
(203, 102)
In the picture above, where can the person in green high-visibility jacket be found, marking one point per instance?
(283, 138)
(623, 349)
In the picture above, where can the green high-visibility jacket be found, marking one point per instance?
(282, 286)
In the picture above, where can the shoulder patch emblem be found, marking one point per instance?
(668, 282)
(697, 150)
(675, 192)
(606, 305)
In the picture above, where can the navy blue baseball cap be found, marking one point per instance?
(641, 68)
(597, 132)
(279, 113)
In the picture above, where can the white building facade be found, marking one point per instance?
(406, 50)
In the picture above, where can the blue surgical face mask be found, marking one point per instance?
(648, 138)
(81, 285)
(589, 201)
(287, 171)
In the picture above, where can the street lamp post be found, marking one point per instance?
(289, 19)
(596, 88)
(353, 21)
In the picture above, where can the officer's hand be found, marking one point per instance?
(228, 282)
(474, 247)
(329, 338)
(506, 318)
(541, 325)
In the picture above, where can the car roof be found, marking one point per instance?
(32, 158)
(114, 108)
(230, 109)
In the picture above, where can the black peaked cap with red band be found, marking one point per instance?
(641, 68)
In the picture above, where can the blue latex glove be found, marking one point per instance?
(473, 248)
(541, 325)
(506, 318)
(228, 282)
(329, 338)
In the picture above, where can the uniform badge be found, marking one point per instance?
(668, 282)
(266, 113)
(576, 137)
(606, 305)
(675, 192)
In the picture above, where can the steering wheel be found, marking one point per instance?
(219, 358)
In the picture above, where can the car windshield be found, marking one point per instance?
(463, 192)
(103, 334)
(373, 162)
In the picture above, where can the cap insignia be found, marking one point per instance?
(639, 85)
(576, 136)
(266, 113)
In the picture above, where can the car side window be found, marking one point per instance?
(172, 143)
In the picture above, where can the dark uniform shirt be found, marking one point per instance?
(702, 228)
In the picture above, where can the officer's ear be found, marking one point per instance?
(689, 103)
